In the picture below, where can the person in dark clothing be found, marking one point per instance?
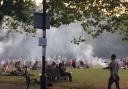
(35, 67)
(73, 64)
(114, 76)
(62, 71)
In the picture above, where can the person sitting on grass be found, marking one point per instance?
(5, 70)
(62, 71)
(114, 76)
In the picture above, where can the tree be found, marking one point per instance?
(15, 13)
(104, 15)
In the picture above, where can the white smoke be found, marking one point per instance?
(59, 44)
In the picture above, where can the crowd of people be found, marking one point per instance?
(125, 64)
(54, 70)
(16, 67)
(74, 63)
(57, 70)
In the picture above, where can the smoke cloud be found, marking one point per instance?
(59, 44)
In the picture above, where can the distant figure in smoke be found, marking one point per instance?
(114, 76)
(73, 64)
(35, 67)
(81, 63)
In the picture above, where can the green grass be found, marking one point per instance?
(92, 79)
(82, 79)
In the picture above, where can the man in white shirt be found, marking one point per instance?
(114, 75)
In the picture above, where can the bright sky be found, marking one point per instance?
(38, 1)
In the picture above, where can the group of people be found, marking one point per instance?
(77, 64)
(17, 67)
(113, 67)
(58, 71)
(125, 64)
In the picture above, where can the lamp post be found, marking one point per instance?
(43, 76)
(42, 21)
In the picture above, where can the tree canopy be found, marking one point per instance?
(19, 12)
(95, 16)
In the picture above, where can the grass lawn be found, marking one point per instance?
(93, 79)
(82, 79)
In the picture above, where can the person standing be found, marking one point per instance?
(114, 75)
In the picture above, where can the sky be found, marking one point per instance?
(38, 1)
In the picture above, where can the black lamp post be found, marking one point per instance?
(42, 21)
(43, 76)
(43, 41)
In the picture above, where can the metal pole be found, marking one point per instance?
(43, 76)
